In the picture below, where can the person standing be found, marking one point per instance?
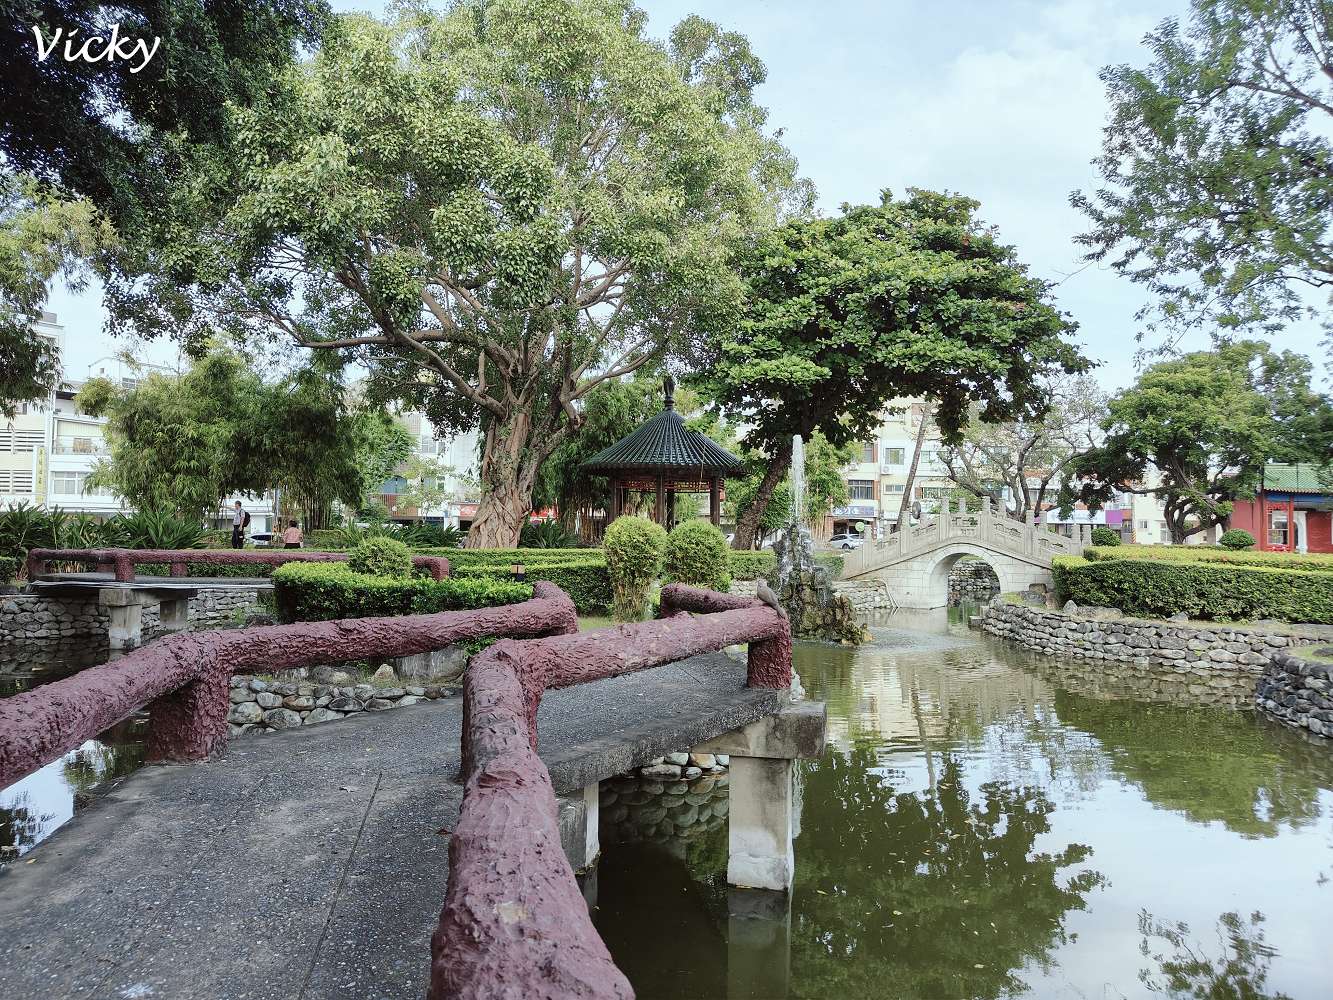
(292, 537)
(240, 520)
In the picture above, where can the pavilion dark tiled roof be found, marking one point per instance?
(665, 443)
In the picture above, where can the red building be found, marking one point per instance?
(1292, 512)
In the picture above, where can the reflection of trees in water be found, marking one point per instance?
(1209, 764)
(98, 761)
(21, 825)
(1185, 969)
(974, 899)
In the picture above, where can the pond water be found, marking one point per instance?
(976, 829)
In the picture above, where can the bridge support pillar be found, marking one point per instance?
(125, 610)
(579, 815)
(190, 723)
(762, 819)
(174, 614)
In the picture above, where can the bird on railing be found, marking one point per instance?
(765, 593)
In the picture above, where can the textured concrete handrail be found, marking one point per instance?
(514, 922)
(123, 561)
(185, 676)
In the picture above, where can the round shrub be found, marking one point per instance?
(1236, 539)
(633, 547)
(381, 556)
(697, 554)
(1102, 535)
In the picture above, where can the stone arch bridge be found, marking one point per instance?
(913, 564)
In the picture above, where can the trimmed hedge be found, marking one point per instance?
(1316, 562)
(587, 583)
(748, 565)
(9, 568)
(504, 557)
(1159, 589)
(306, 592)
(697, 556)
(380, 556)
(1102, 535)
(1236, 539)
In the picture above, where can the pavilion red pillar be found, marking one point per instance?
(714, 502)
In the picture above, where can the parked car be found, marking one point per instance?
(846, 540)
(262, 539)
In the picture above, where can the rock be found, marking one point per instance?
(416, 692)
(346, 704)
(679, 759)
(257, 686)
(298, 702)
(1179, 616)
(281, 718)
(691, 772)
(660, 771)
(410, 699)
(322, 715)
(723, 759)
(267, 699)
(702, 759)
(384, 673)
(323, 700)
(331, 675)
(245, 713)
(378, 704)
(1070, 608)
(239, 695)
(390, 692)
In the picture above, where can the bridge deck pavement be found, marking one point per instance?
(308, 863)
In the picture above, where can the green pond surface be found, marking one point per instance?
(979, 828)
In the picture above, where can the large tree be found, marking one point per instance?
(910, 297)
(42, 237)
(825, 487)
(1029, 457)
(1218, 163)
(1195, 432)
(88, 125)
(494, 210)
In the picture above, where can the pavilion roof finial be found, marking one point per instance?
(669, 391)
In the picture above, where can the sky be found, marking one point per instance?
(996, 99)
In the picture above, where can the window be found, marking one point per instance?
(897, 489)
(894, 456)
(931, 492)
(1143, 525)
(1163, 529)
(65, 484)
(860, 489)
(1277, 527)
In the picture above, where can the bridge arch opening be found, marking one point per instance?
(970, 580)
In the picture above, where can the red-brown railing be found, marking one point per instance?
(184, 677)
(514, 922)
(121, 562)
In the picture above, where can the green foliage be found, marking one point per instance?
(423, 535)
(1234, 538)
(547, 534)
(1102, 535)
(9, 567)
(749, 565)
(1205, 422)
(1317, 561)
(185, 443)
(1215, 164)
(381, 557)
(42, 237)
(506, 557)
(633, 547)
(157, 529)
(324, 539)
(562, 193)
(1159, 589)
(326, 591)
(825, 486)
(697, 554)
(585, 578)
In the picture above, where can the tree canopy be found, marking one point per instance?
(184, 443)
(494, 210)
(1218, 164)
(1196, 431)
(910, 297)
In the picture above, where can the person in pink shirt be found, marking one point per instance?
(291, 538)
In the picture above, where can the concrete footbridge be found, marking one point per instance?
(913, 564)
(313, 862)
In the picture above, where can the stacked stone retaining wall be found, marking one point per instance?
(1297, 692)
(972, 580)
(29, 619)
(1216, 665)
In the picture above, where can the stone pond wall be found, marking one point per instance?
(264, 705)
(1215, 665)
(972, 580)
(1297, 692)
(671, 813)
(35, 619)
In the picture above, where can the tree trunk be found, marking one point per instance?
(747, 525)
(509, 467)
(906, 505)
